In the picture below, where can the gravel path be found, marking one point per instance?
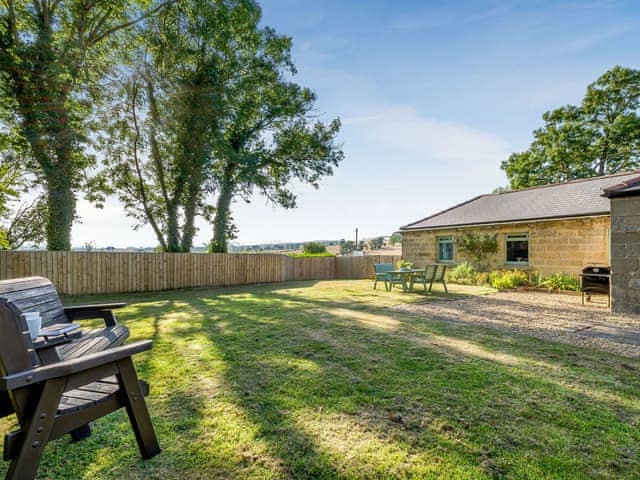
(559, 317)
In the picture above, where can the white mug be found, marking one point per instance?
(34, 323)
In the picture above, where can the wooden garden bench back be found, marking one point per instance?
(55, 397)
(38, 294)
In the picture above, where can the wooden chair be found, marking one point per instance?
(51, 400)
(382, 273)
(38, 294)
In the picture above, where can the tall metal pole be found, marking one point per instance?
(356, 239)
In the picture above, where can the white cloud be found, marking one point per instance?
(407, 132)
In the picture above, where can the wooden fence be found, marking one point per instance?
(77, 273)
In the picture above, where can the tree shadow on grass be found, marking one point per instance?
(459, 387)
(288, 359)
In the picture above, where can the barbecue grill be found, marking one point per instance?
(596, 280)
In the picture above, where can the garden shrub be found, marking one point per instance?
(463, 273)
(560, 281)
(305, 255)
(482, 278)
(505, 279)
(314, 247)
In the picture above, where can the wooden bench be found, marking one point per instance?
(89, 379)
(38, 294)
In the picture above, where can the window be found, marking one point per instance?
(445, 249)
(518, 248)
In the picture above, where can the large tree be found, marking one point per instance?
(601, 136)
(164, 121)
(52, 53)
(269, 132)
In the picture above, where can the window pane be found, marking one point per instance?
(445, 249)
(518, 248)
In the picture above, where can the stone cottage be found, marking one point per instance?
(625, 245)
(547, 229)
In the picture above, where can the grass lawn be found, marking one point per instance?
(325, 380)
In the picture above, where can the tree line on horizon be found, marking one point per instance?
(177, 109)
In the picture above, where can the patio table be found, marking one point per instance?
(405, 275)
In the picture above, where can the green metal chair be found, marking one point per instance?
(397, 279)
(382, 273)
(424, 278)
(431, 274)
(439, 277)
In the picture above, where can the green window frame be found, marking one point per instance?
(445, 247)
(517, 248)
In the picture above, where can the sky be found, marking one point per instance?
(432, 96)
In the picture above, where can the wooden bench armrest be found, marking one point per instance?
(69, 367)
(94, 307)
(86, 312)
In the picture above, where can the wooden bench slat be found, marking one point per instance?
(35, 375)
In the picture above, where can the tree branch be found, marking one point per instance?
(130, 23)
(141, 188)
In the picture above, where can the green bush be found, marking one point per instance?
(560, 281)
(302, 255)
(505, 279)
(314, 247)
(536, 279)
(464, 273)
(482, 278)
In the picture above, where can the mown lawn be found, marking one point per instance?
(326, 380)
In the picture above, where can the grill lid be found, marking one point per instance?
(596, 270)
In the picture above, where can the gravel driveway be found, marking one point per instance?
(559, 317)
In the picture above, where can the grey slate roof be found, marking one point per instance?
(625, 188)
(563, 200)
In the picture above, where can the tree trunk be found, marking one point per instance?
(173, 229)
(190, 210)
(61, 204)
(223, 209)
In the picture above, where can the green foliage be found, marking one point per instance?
(376, 243)
(306, 255)
(26, 223)
(396, 237)
(403, 264)
(164, 116)
(599, 137)
(269, 135)
(19, 222)
(506, 279)
(560, 281)
(314, 248)
(347, 247)
(478, 246)
(52, 57)
(463, 273)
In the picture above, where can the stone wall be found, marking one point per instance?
(625, 254)
(554, 246)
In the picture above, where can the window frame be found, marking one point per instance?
(449, 239)
(514, 237)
